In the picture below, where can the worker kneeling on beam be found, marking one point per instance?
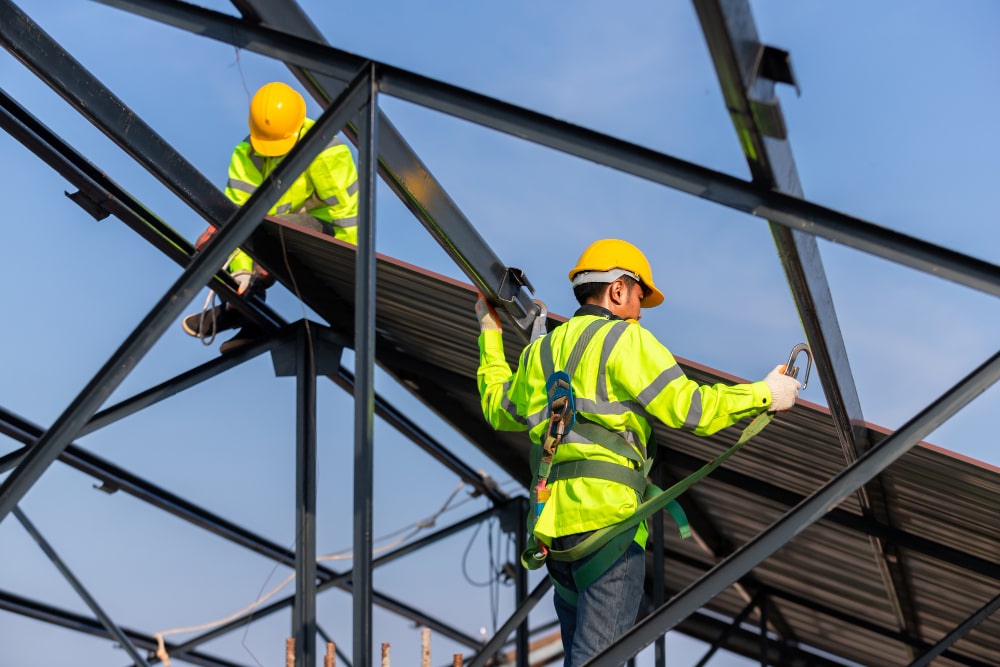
(585, 392)
(324, 198)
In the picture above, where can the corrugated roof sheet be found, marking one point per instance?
(825, 584)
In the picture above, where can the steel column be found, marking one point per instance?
(81, 590)
(304, 609)
(828, 496)
(364, 370)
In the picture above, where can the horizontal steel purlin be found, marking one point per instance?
(718, 187)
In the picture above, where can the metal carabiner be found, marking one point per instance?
(792, 370)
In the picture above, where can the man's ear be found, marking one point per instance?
(616, 291)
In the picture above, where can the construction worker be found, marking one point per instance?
(324, 197)
(622, 377)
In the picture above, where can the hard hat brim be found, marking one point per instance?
(654, 299)
(272, 147)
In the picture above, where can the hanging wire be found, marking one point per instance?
(411, 530)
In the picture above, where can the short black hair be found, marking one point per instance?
(586, 292)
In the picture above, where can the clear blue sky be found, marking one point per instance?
(895, 124)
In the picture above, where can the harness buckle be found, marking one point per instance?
(562, 406)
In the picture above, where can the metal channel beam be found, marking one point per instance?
(712, 541)
(740, 63)
(406, 175)
(267, 610)
(748, 644)
(81, 590)
(520, 614)
(846, 519)
(106, 196)
(38, 52)
(777, 207)
(849, 619)
(960, 631)
(171, 305)
(70, 164)
(73, 621)
(103, 195)
(828, 496)
(115, 478)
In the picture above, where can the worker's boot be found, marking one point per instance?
(250, 333)
(207, 323)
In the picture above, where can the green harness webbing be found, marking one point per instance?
(607, 544)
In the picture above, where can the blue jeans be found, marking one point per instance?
(605, 609)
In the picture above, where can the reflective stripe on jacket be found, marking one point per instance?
(327, 189)
(624, 377)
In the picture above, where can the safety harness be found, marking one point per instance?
(606, 544)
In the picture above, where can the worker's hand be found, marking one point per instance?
(203, 239)
(488, 318)
(242, 279)
(784, 389)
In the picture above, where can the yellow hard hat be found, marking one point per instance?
(604, 256)
(276, 115)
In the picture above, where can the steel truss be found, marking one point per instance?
(346, 84)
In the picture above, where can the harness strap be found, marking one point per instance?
(609, 440)
(656, 499)
(612, 472)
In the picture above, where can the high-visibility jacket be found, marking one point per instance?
(327, 189)
(625, 377)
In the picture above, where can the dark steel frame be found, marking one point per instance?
(346, 83)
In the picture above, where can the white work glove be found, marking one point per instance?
(242, 279)
(488, 318)
(784, 389)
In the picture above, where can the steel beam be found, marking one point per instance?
(107, 196)
(777, 207)
(849, 619)
(846, 519)
(42, 55)
(182, 382)
(958, 632)
(80, 589)
(92, 183)
(406, 175)
(171, 305)
(118, 479)
(711, 540)
(728, 632)
(487, 652)
(874, 461)
(73, 621)
(739, 60)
